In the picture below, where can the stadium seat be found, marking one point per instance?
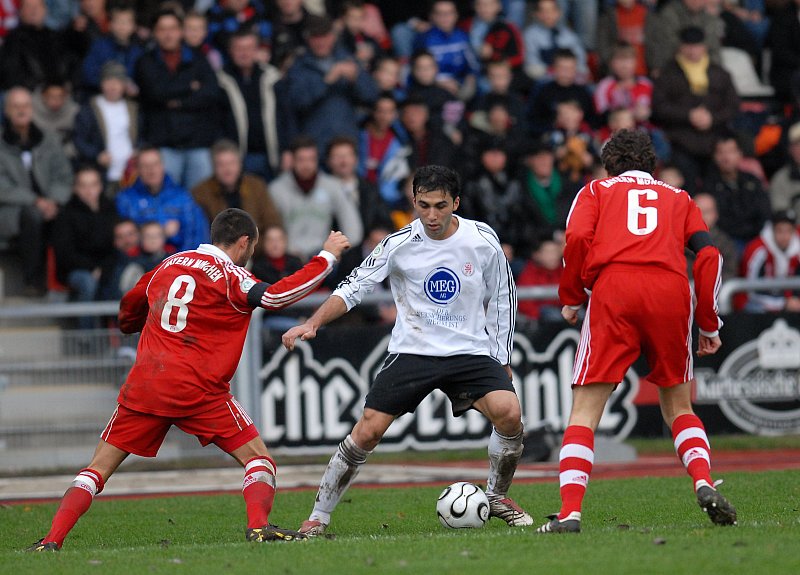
(743, 74)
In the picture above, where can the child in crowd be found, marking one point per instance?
(573, 141)
(387, 75)
(542, 269)
(423, 85)
(273, 263)
(501, 84)
(106, 128)
(623, 88)
(120, 45)
(353, 37)
(195, 32)
(153, 249)
(381, 153)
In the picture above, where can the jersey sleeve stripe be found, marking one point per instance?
(512, 292)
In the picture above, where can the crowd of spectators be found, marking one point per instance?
(128, 125)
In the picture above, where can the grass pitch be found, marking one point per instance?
(642, 525)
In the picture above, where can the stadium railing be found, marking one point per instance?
(58, 385)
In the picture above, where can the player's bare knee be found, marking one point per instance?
(367, 433)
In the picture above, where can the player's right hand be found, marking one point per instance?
(336, 244)
(304, 332)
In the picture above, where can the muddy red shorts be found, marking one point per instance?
(228, 426)
(631, 313)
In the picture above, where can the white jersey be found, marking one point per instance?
(454, 296)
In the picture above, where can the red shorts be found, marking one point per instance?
(634, 312)
(227, 426)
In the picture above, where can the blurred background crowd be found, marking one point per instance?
(128, 125)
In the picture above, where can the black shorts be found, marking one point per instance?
(406, 379)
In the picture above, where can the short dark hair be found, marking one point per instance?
(224, 145)
(302, 141)
(628, 150)
(436, 178)
(564, 54)
(166, 9)
(230, 225)
(341, 141)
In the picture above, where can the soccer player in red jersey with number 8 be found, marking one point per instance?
(625, 247)
(193, 311)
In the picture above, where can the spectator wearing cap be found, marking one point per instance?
(35, 181)
(120, 45)
(785, 48)
(107, 127)
(663, 32)
(784, 188)
(694, 102)
(741, 199)
(325, 85)
(32, 53)
(492, 195)
(252, 115)
(180, 101)
(775, 253)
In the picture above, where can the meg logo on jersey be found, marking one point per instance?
(442, 286)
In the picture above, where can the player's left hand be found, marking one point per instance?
(708, 345)
(569, 314)
(304, 332)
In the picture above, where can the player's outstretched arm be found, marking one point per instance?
(295, 287)
(334, 307)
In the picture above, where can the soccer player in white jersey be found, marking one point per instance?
(456, 304)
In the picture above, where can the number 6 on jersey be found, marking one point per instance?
(635, 210)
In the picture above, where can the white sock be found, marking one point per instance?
(340, 473)
(504, 454)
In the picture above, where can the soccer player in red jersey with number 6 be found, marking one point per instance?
(625, 247)
(193, 311)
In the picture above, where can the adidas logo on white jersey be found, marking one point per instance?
(416, 238)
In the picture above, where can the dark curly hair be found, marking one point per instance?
(436, 178)
(628, 150)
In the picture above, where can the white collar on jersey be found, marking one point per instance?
(637, 174)
(213, 250)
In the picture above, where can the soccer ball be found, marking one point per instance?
(462, 505)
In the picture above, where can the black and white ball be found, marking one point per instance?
(462, 505)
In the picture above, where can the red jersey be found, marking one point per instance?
(633, 221)
(193, 311)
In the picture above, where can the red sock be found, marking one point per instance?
(575, 465)
(258, 490)
(691, 444)
(76, 502)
